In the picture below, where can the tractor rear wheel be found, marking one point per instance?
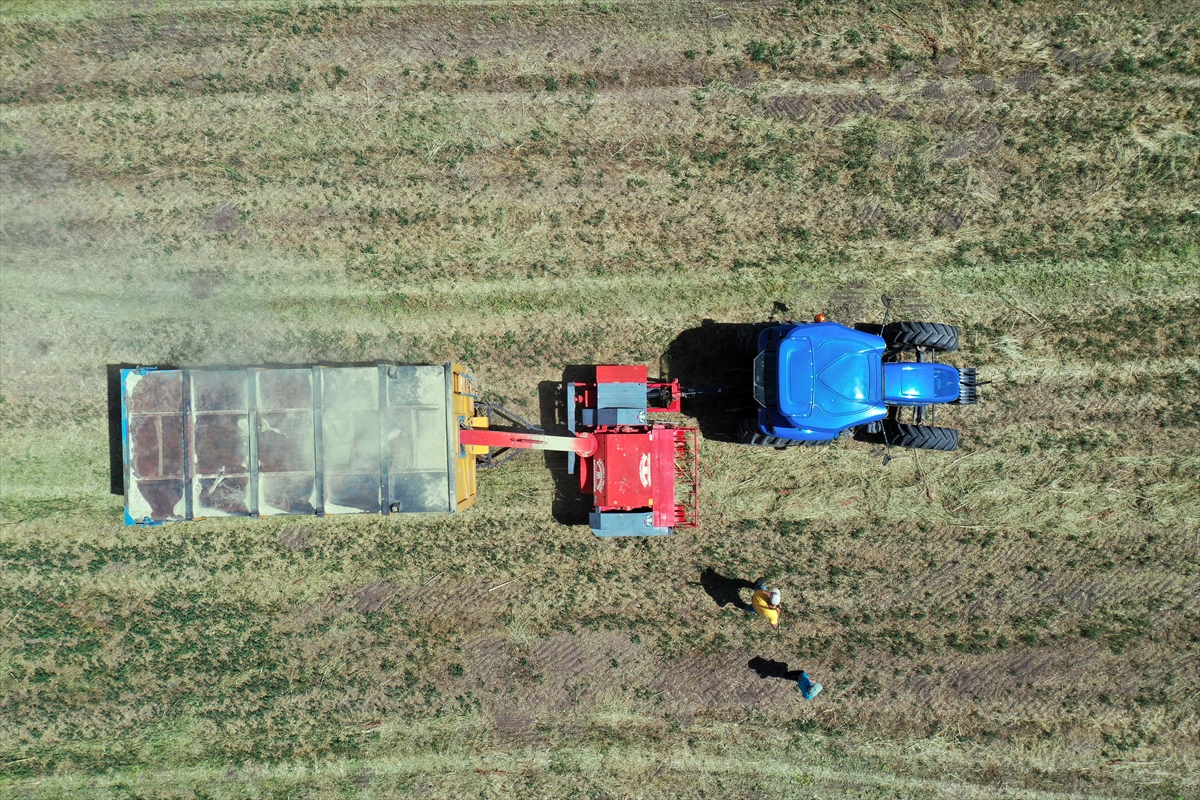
(916, 437)
(929, 335)
(748, 433)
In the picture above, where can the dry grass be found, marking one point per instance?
(526, 187)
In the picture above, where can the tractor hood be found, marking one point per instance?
(919, 384)
(830, 376)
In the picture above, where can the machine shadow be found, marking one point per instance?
(716, 360)
(569, 506)
(116, 445)
(723, 590)
(768, 669)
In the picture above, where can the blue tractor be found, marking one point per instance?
(812, 381)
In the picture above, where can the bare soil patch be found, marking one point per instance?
(295, 538)
(795, 107)
(372, 597)
(1027, 80)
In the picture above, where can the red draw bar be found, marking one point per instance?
(583, 443)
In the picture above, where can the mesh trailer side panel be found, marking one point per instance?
(279, 441)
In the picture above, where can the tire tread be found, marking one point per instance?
(748, 433)
(908, 335)
(921, 437)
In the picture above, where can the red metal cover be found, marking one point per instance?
(621, 374)
(621, 471)
(662, 476)
(585, 475)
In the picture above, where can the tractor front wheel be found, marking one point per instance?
(935, 336)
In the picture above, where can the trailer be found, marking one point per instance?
(389, 439)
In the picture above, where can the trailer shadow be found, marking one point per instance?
(116, 445)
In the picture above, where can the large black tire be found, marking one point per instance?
(935, 336)
(748, 433)
(917, 437)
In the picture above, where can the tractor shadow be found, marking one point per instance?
(768, 669)
(716, 360)
(724, 591)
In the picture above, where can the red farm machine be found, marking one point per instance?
(642, 474)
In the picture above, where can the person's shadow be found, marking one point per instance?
(767, 668)
(725, 591)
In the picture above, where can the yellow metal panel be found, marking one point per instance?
(464, 467)
(477, 449)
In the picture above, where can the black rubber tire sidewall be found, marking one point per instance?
(908, 335)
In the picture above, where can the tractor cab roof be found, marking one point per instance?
(830, 376)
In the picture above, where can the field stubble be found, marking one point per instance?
(524, 188)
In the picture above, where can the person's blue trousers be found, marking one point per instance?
(807, 687)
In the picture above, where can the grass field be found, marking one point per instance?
(528, 186)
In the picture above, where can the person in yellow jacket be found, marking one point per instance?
(766, 602)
